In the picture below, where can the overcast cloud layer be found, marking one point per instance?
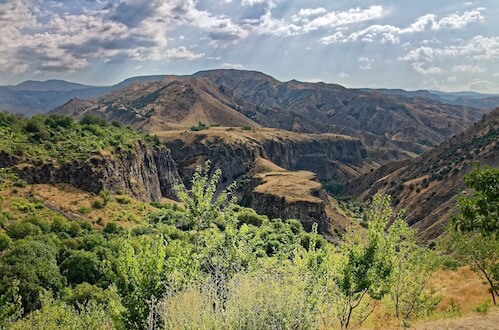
(445, 45)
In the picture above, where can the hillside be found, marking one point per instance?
(32, 97)
(391, 128)
(157, 106)
(428, 186)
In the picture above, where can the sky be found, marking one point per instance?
(438, 44)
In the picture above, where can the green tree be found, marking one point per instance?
(474, 231)
(202, 205)
(139, 275)
(34, 265)
(10, 304)
(412, 269)
(364, 265)
(480, 212)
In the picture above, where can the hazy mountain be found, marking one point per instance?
(48, 85)
(471, 99)
(32, 97)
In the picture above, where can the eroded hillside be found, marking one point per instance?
(428, 186)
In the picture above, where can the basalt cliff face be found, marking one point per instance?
(279, 193)
(146, 172)
(234, 151)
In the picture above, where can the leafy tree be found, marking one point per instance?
(474, 233)
(93, 120)
(10, 304)
(412, 269)
(202, 205)
(139, 273)
(5, 241)
(481, 210)
(81, 266)
(364, 265)
(33, 264)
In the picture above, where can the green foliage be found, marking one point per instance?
(123, 200)
(58, 138)
(483, 308)
(97, 205)
(480, 211)
(474, 233)
(199, 127)
(10, 304)
(22, 229)
(139, 272)
(93, 120)
(33, 263)
(409, 276)
(5, 241)
(84, 210)
(58, 315)
(81, 266)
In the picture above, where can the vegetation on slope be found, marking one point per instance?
(208, 264)
(59, 138)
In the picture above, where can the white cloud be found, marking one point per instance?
(181, 53)
(467, 68)
(392, 34)
(334, 18)
(456, 21)
(342, 75)
(306, 12)
(232, 66)
(424, 69)
(337, 37)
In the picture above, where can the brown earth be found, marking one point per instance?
(428, 187)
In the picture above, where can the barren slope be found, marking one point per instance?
(428, 186)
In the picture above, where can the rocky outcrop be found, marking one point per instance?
(279, 193)
(330, 156)
(147, 173)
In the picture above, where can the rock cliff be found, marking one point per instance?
(146, 173)
(234, 151)
(279, 193)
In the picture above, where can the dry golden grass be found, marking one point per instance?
(236, 135)
(67, 200)
(292, 186)
(463, 286)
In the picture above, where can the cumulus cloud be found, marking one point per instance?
(392, 34)
(478, 48)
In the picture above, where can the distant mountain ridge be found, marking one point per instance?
(33, 97)
(392, 127)
(471, 99)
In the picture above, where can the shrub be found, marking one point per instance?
(199, 127)
(123, 200)
(93, 120)
(22, 229)
(97, 205)
(84, 210)
(483, 308)
(5, 241)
